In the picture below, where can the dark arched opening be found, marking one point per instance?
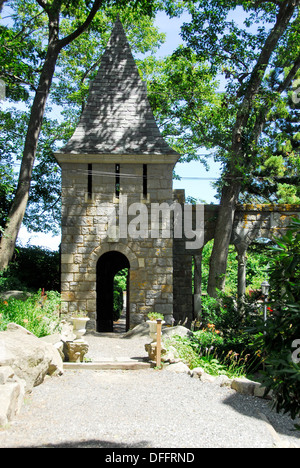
(108, 265)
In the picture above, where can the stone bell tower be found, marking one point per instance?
(114, 167)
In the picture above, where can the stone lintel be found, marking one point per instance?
(74, 158)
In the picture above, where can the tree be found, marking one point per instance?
(247, 57)
(183, 95)
(77, 64)
(81, 13)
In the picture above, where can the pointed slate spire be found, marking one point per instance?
(118, 119)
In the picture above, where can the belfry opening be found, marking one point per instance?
(112, 295)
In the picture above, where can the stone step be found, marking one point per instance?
(118, 364)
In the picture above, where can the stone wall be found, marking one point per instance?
(86, 237)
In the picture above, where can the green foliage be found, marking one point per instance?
(182, 93)
(207, 338)
(154, 316)
(184, 350)
(258, 258)
(31, 269)
(282, 373)
(23, 48)
(224, 342)
(39, 313)
(120, 285)
(189, 351)
(234, 326)
(195, 114)
(285, 272)
(117, 300)
(121, 278)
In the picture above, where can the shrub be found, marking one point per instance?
(32, 268)
(188, 350)
(234, 323)
(276, 339)
(207, 339)
(184, 349)
(39, 313)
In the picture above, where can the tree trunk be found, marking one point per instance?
(230, 193)
(218, 259)
(18, 208)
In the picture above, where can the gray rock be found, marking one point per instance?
(224, 381)
(208, 378)
(30, 358)
(140, 330)
(56, 341)
(15, 295)
(15, 327)
(243, 386)
(11, 398)
(6, 372)
(260, 390)
(179, 368)
(197, 372)
(177, 330)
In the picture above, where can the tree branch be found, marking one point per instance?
(17, 78)
(260, 2)
(43, 4)
(26, 24)
(290, 76)
(284, 15)
(66, 40)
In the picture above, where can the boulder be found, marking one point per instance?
(20, 295)
(12, 392)
(6, 373)
(179, 368)
(57, 341)
(138, 331)
(178, 330)
(30, 358)
(208, 378)
(243, 386)
(224, 381)
(15, 327)
(197, 372)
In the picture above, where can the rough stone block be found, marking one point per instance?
(11, 400)
(76, 350)
(6, 372)
(243, 386)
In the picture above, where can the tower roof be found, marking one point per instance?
(117, 119)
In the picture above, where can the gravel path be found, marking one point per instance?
(142, 409)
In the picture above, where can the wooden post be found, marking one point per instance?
(158, 343)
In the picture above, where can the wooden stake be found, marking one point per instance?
(158, 343)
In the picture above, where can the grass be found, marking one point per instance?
(39, 313)
(232, 365)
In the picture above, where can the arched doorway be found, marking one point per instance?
(108, 265)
